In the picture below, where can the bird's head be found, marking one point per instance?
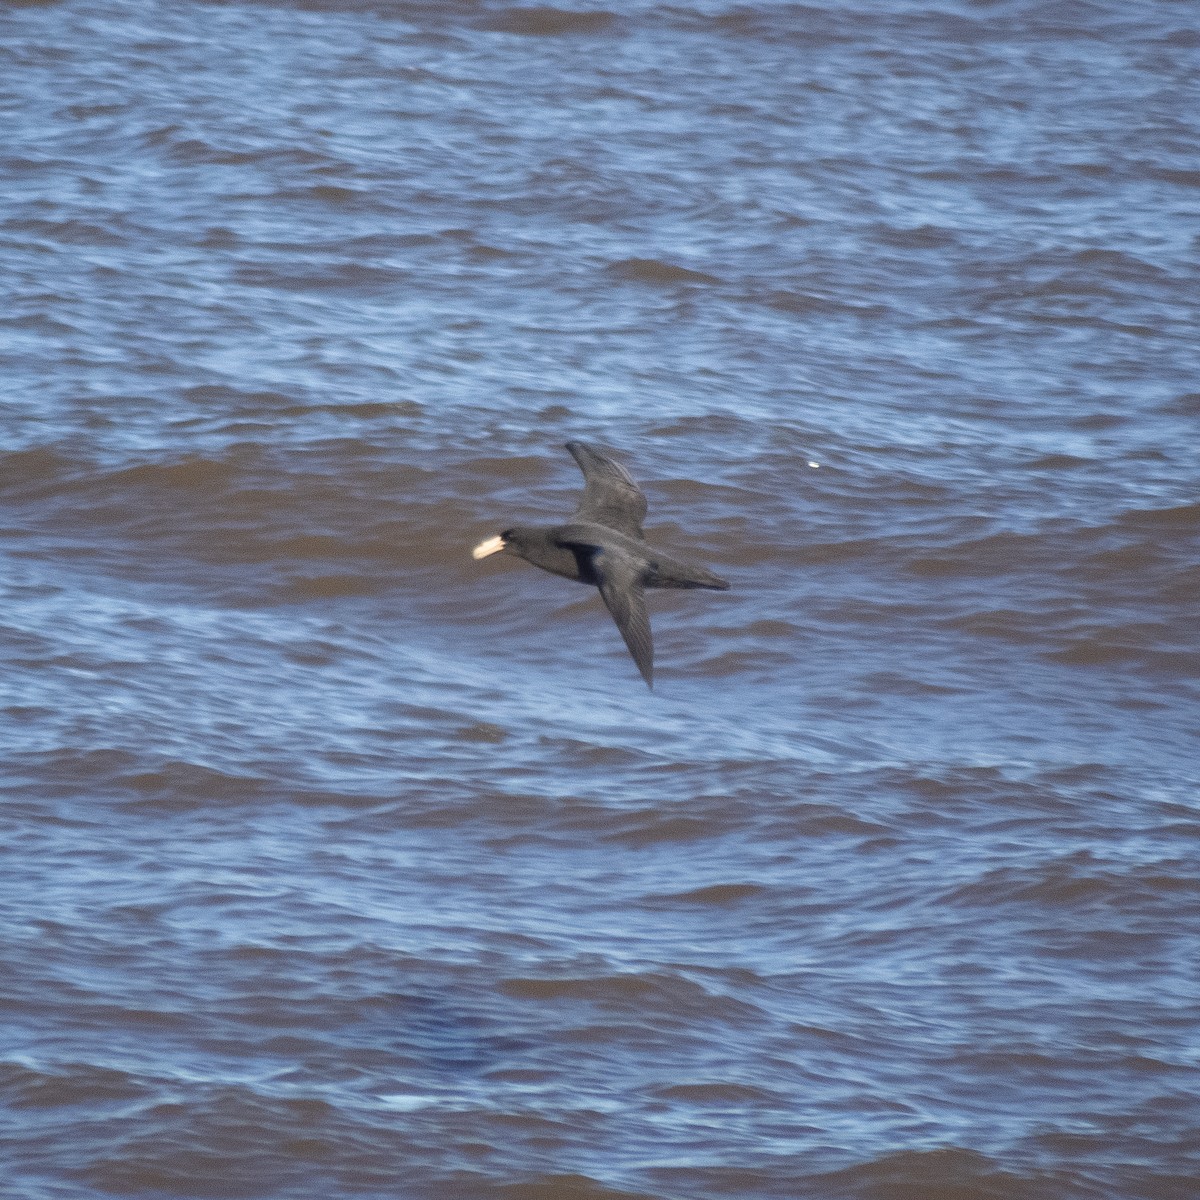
(511, 541)
(527, 543)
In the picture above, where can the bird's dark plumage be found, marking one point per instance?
(603, 545)
(610, 497)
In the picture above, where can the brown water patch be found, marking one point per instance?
(655, 271)
(719, 894)
(718, 1094)
(552, 22)
(566, 1187)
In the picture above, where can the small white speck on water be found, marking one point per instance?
(815, 466)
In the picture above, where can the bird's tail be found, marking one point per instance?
(671, 573)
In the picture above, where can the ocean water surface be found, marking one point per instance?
(336, 864)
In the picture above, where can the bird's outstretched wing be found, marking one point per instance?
(620, 582)
(610, 497)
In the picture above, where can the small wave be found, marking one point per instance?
(796, 25)
(482, 733)
(522, 468)
(719, 1094)
(1080, 880)
(233, 402)
(719, 894)
(187, 150)
(649, 828)
(589, 754)
(20, 469)
(40, 323)
(818, 822)
(334, 195)
(920, 237)
(741, 662)
(65, 770)
(174, 786)
(1015, 625)
(1116, 264)
(1181, 178)
(1060, 462)
(1117, 645)
(328, 587)
(718, 425)
(69, 233)
(350, 278)
(544, 21)
(1185, 405)
(179, 786)
(563, 1187)
(669, 995)
(1178, 517)
(185, 1147)
(655, 271)
(1187, 38)
(805, 303)
(772, 628)
(950, 1173)
(1098, 421)
(66, 1084)
(189, 474)
(619, 988)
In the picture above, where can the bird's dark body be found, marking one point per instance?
(604, 546)
(567, 550)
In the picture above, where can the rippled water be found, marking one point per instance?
(335, 864)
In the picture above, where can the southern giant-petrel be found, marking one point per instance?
(603, 544)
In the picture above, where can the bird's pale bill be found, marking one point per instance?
(492, 546)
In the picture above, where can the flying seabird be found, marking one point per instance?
(603, 544)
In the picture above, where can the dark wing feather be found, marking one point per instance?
(610, 497)
(619, 579)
